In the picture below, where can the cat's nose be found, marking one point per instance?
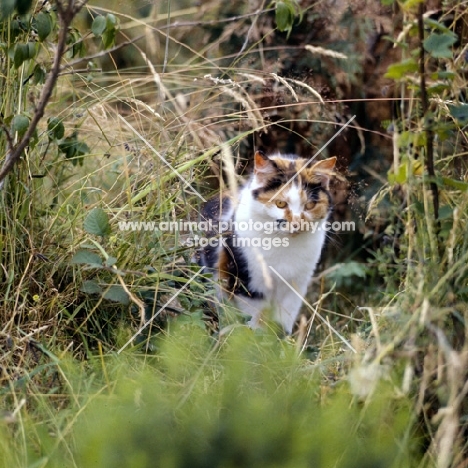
(295, 224)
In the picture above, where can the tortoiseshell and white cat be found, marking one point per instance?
(269, 270)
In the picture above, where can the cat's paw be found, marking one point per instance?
(253, 323)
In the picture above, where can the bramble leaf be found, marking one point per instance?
(91, 287)
(87, 258)
(439, 45)
(459, 113)
(399, 70)
(97, 222)
(117, 294)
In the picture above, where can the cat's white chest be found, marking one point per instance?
(277, 257)
(281, 274)
(294, 263)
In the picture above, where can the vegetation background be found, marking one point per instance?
(111, 354)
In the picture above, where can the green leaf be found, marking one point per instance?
(408, 5)
(111, 21)
(194, 319)
(401, 176)
(81, 148)
(108, 38)
(111, 261)
(74, 149)
(23, 52)
(397, 71)
(284, 16)
(439, 45)
(117, 294)
(6, 8)
(55, 128)
(443, 75)
(99, 25)
(433, 24)
(87, 258)
(39, 74)
(31, 50)
(43, 25)
(20, 54)
(97, 222)
(23, 6)
(457, 184)
(15, 29)
(166, 276)
(20, 124)
(445, 212)
(349, 269)
(459, 113)
(91, 287)
(68, 146)
(76, 44)
(438, 88)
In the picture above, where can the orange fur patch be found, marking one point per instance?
(223, 264)
(265, 197)
(321, 207)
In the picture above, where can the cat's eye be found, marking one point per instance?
(309, 205)
(281, 204)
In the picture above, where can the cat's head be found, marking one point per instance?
(288, 189)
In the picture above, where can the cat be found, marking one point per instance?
(270, 237)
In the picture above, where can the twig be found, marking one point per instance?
(101, 53)
(166, 48)
(247, 37)
(9, 138)
(66, 13)
(190, 24)
(135, 299)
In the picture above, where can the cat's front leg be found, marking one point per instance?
(254, 308)
(288, 308)
(284, 312)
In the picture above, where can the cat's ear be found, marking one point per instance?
(263, 165)
(323, 170)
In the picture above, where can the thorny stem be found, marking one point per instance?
(66, 13)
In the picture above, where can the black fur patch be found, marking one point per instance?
(212, 210)
(237, 270)
(313, 191)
